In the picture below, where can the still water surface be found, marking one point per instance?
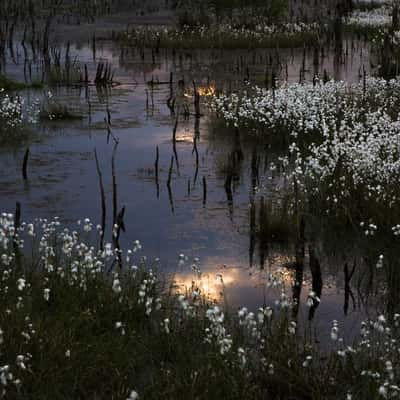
(63, 180)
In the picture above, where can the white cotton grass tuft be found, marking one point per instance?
(240, 340)
(133, 395)
(362, 144)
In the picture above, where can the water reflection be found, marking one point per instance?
(180, 188)
(348, 292)
(228, 282)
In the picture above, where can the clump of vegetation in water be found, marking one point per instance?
(61, 76)
(386, 48)
(223, 35)
(335, 132)
(198, 12)
(16, 117)
(222, 24)
(25, 9)
(53, 110)
(337, 150)
(369, 22)
(74, 325)
(61, 70)
(8, 84)
(371, 4)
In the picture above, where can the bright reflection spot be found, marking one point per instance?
(204, 91)
(185, 136)
(283, 268)
(286, 276)
(211, 284)
(234, 281)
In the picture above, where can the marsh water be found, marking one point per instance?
(197, 216)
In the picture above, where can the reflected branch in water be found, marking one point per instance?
(196, 173)
(263, 252)
(299, 268)
(103, 201)
(25, 164)
(196, 152)
(171, 166)
(239, 157)
(197, 112)
(107, 121)
(171, 200)
(103, 93)
(171, 100)
(264, 232)
(297, 286)
(316, 277)
(197, 128)
(156, 171)
(229, 194)
(252, 231)
(174, 141)
(254, 169)
(89, 103)
(119, 225)
(204, 191)
(118, 217)
(152, 99)
(348, 293)
(108, 114)
(114, 184)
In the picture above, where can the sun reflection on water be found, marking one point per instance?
(203, 91)
(185, 136)
(211, 284)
